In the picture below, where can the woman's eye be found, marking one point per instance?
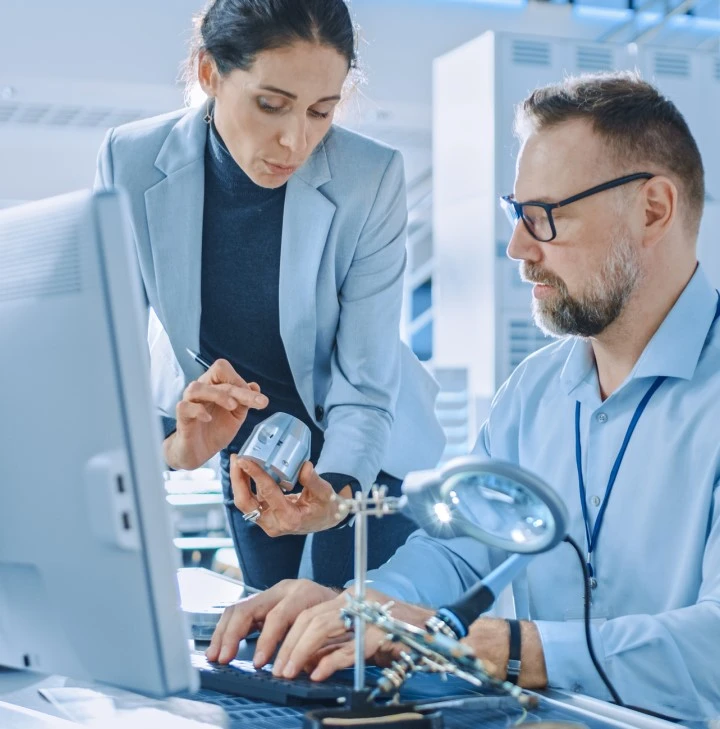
(265, 106)
(319, 114)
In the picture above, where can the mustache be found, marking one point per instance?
(532, 273)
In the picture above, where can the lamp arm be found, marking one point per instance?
(479, 598)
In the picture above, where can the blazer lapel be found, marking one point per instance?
(174, 209)
(306, 224)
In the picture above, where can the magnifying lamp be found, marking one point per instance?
(497, 503)
(494, 502)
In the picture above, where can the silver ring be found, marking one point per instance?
(253, 516)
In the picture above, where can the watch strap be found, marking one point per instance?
(514, 662)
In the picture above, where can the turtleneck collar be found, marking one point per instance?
(228, 173)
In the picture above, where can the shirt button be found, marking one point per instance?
(319, 412)
(602, 417)
(595, 501)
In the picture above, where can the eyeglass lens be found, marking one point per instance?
(537, 221)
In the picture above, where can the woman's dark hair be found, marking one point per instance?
(233, 32)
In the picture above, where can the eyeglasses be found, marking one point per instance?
(537, 216)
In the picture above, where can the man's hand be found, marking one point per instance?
(312, 510)
(210, 414)
(489, 639)
(320, 644)
(274, 611)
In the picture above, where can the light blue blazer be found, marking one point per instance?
(341, 286)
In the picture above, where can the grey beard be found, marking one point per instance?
(600, 305)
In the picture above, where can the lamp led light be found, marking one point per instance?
(442, 512)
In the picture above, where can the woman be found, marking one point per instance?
(273, 243)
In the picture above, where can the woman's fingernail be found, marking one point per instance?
(289, 671)
(278, 667)
(315, 675)
(259, 659)
(260, 399)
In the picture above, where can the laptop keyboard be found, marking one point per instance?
(241, 678)
(244, 712)
(267, 702)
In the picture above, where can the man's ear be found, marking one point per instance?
(660, 198)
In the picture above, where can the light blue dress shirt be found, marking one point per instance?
(656, 608)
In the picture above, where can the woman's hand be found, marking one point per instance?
(312, 510)
(210, 414)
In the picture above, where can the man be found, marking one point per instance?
(616, 278)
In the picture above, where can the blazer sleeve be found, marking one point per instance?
(365, 366)
(104, 170)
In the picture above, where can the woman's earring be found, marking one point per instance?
(208, 115)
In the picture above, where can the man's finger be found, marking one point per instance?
(213, 650)
(296, 630)
(228, 634)
(323, 627)
(297, 595)
(343, 657)
(277, 623)
(302, 625)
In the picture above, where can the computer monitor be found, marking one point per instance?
(87, 566)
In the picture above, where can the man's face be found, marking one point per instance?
(585, 276)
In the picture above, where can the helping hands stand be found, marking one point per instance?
(362, 505)
(433, 649)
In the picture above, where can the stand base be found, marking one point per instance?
(396, 716)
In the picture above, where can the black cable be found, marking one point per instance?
(588, 636)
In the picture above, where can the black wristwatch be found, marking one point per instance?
(514, 662)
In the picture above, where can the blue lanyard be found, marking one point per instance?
(592, 538)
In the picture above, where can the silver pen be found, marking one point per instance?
(198, 359)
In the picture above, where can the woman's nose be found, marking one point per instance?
(294, 136)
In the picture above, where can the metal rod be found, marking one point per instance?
(360, 577)
(650, 33)
(610, 34)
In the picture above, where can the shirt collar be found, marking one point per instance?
(674, 349)
(579, 365)
(676, 346)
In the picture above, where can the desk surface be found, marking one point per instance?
(21, 688)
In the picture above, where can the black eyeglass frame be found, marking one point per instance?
(509, 203)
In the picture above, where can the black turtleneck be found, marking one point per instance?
(240, 319)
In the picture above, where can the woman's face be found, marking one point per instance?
(272, 116)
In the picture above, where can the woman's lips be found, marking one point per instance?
(276, 169)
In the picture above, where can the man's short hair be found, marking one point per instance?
(641, 126)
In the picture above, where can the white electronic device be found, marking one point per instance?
(87, 564)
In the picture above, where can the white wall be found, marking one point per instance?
(125, 56)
